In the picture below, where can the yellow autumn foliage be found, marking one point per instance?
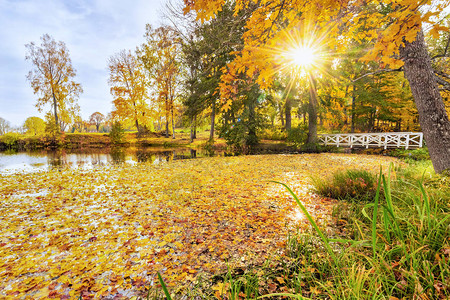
(107, 231)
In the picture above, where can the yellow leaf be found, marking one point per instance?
(280, 280)
(411, 35)
(42, 294)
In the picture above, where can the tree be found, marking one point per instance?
(77, 124)
(34, 125)
(5, 126)
(96, 119)
(128, 87)
(52, 76)
(160, 56)
(206, 53)
(397, 42)
(433, 117)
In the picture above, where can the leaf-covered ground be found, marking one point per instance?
(105, 233)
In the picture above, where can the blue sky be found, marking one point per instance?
(93, 30)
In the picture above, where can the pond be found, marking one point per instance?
(31, 161)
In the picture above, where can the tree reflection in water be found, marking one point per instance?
(118, 155)
(91, 158)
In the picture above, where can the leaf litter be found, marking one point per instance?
(105, 233)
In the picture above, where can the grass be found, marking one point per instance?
(415, 154)
(396, 245)
(350, 185)
(101, 140)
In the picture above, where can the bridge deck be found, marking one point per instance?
(384, 140)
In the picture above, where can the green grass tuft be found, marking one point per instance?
(350, 185)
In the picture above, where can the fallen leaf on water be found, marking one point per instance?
(107, 231)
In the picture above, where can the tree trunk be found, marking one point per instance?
(433, 118)
(167, 117)
(55, 109)
(173, 123)
(371, 122)
(195, 126)
(252, 139)
(213, 117)
(167, 126)
(282, 117)
(287, 112)
(352, 130)
(312, 111)
(192, 129)
(137, 125)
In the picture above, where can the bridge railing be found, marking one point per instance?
(374, 140)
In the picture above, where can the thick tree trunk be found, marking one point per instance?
(433, 118)
(288, 115)
(282, 116)
(137, 126)
(312, 112)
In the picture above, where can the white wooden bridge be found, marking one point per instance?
(374, 140)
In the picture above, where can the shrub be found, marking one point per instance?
(117, 134)
(10, 139)
(238, 137)
(351, 185)
(271, 133)
(416, 154)
(51, 127)
(297, 135)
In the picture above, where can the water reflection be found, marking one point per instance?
(118, 155)
(12, 162)
(61, 158)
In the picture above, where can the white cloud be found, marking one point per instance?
(92, 30)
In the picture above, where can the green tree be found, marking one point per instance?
(34, 125)
(206, 55)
